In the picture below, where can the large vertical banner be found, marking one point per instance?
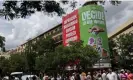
(87, 24)
(70, 28)
(93, 28)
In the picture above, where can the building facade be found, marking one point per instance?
(122, 29)
(56, 34)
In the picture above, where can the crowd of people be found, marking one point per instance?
(96, 75)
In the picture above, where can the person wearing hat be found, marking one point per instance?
(123, 75)
(88, 76)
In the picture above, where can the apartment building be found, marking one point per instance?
(55, 33)
(5, 54)
(122, 29)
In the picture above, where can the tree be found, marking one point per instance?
(63, 56)
(43, 46)
(35, 51)
(17, 9)
(16, 62)
(125, 49)
(4, 66)
(29, 56)
(2, 43)
(113, 53)
(122, 48)
(40, 63)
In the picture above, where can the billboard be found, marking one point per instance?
(90, 28)
(70, 28)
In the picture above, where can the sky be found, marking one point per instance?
(18, 31)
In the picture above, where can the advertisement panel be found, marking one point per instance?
(70, 28)
(93, 28)
(87, 24)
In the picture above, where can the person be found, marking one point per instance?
(58, 77)
(77, 76)
(99, 77)
(98, 73)
(41, 76)
(72, 77)
(45, 77)
(95, 75)
(111, 75)
(88, 76)
(27, 78)
(52, 78)
(104, 75)
(83, 76)
(123, 75)
(34, 78)
(129, 75)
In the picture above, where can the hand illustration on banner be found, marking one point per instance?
(95, 30)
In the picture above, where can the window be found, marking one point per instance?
(60, 37)
(38, 38)
(53, 31)
(50, 33)
(44, 36)
(56, 29)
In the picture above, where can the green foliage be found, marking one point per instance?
(123, 46)
(2, 43)
(46, 57)
(17, 9)
(4, 65)
(34, 52)
(43, 46)
(64, 55)
(113, 53)
(16, 62)
(40, 63)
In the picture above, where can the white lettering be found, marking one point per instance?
(70, 24)
(71, 34)
(70, 29)
(70, 19)
(93, 14)
(71, 39)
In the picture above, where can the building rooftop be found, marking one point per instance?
(121, 28)
(42, 33)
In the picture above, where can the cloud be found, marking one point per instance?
(18, 31)
(23, 29)
(117, 15)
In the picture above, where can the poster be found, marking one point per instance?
(93, 28)
(70, 28)
(87, 24)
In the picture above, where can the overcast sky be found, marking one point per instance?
(18, 31)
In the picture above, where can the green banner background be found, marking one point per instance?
(93, 28)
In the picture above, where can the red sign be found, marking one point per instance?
(70, 27)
